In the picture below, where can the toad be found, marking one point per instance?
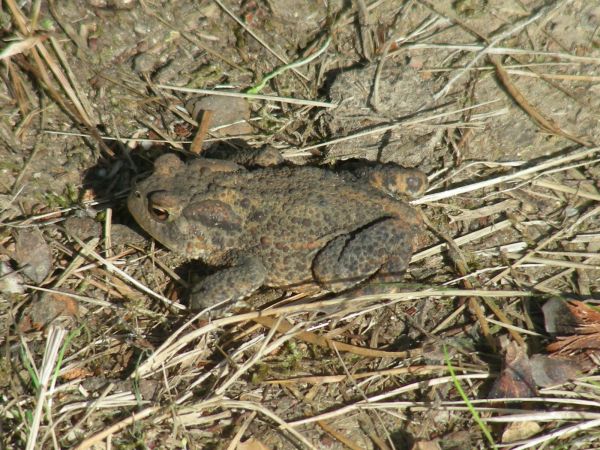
(282, 226)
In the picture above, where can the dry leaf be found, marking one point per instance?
(518, 431)
(588, 318)
(20, 46)
(558, 319)
(575, 343)
(579, 325)
(516, 379)
(551, 371)
(426, 445)
(76, 374)
(48, 308)
(252, 444)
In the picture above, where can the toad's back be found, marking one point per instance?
(293, 212)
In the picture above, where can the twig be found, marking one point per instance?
(499, 51)
(203, 126)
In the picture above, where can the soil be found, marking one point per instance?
(90, 99)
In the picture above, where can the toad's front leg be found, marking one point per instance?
(229, 285)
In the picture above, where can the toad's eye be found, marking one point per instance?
(162, 205)
(160, 214)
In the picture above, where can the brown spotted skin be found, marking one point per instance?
(279, 226)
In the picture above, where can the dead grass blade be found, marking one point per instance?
(566, 189)
(321, 341)
(524, 173)
(53, 342)
(560, 433)
(178, 340)
(267, 413)
(564, 231)
(121, 425)
(347, 409)
(439, 248)
(87, 251)
(327, 379)
(71, 80)
(502, 51)
(75, 108)
(271, 98)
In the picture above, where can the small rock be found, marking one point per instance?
(144, 63)
(226, 110)
(33, 254)
(113, 4)
(10, 281)
(122, 235)
(83, 227)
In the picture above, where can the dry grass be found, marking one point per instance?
(133, 368)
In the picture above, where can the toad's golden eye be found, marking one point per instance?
(162, 205)
(160, 214)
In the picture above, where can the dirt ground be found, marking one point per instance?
(497, 101)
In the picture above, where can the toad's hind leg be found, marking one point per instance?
(351, 258)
